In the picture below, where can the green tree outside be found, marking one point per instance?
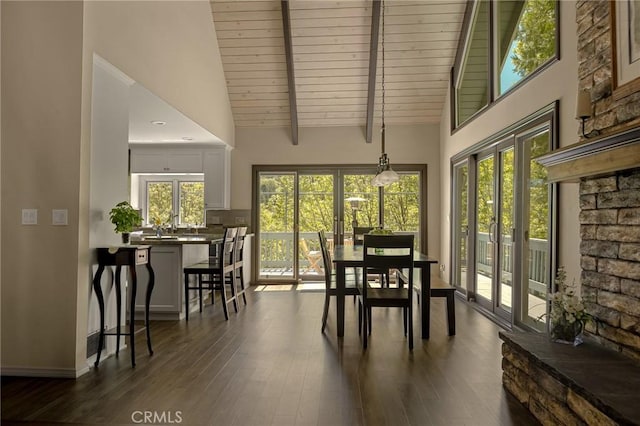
(535, 37)
(160, 202)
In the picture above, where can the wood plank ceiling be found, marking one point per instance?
(330, 47)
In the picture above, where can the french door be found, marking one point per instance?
(293, 205)
(494, 225)
(502, 249)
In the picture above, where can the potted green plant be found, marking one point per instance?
(125, 218)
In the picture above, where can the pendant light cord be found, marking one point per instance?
(383, 127)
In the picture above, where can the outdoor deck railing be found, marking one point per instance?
(276, 252)
(276, 249)
(538, 265)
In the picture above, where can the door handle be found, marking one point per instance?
(493, 226)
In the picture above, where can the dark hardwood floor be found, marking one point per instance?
(270, 365)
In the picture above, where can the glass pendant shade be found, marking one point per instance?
(388, 176)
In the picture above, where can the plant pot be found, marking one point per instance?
(125, 238)
(563, 331)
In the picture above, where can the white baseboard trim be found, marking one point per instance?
(58, 373)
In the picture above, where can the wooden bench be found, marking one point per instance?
(439, 288)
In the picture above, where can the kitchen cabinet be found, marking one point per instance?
(168, 262)
(166, 161)
(217, 178)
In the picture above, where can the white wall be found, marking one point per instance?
(47, 80)
(41, 92)
(169, 47)
(557, 82)
(418, 144)
(109, 182)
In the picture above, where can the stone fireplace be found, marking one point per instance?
(610, 258)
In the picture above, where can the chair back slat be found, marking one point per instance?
(239, 248)
(326, 257)
(228, 245)
(387, 252)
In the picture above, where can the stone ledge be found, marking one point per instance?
(605, 379)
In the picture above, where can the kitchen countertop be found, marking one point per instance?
(167, 240)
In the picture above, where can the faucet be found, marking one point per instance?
(174, 226)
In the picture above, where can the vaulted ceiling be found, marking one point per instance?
(329, 72)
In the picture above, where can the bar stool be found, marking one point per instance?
(219, 271)
(239, 263)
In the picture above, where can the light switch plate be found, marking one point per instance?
(29, 216)
(59, 217)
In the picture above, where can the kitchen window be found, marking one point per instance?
(172, 199)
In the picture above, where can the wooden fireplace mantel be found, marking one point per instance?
(607, 154)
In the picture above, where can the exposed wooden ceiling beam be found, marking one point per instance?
(373, 63)
(293, 107)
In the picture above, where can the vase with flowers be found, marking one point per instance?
(568, 314)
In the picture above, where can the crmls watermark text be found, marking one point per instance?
(156, 417)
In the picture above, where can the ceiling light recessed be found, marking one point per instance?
(158, 123)
(187, 138)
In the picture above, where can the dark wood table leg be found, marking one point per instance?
(97, 289)
(132, 313)
(152, 282)
(118, 307)
(451, 313)
(340, 285)
(425, 305)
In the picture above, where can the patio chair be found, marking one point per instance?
(313, 256)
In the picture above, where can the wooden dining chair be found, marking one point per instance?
(330, 278)
(358, 239)
(386, 252)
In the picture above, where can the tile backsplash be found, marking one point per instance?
(229, 217)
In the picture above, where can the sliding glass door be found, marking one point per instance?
(276, 245)
(315, 212)
(508, 253)
(460, 228)
(293, 204)
(535, 231)
(494, 224)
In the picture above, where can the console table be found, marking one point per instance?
(130, 256)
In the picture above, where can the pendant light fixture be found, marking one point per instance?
(384, 174)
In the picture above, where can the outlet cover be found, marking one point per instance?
(29, 216)
(59, 217)
(240, 220)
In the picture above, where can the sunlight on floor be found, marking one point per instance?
(274, 287)
(310, 286)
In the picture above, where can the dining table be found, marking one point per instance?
(349, 256)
